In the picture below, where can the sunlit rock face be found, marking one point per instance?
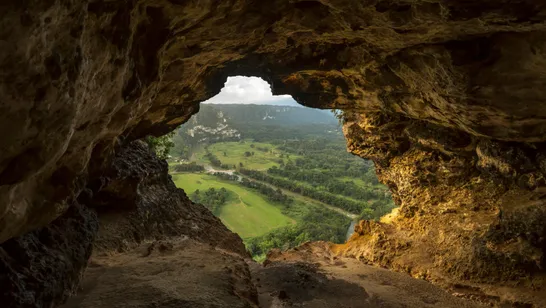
(447, 97)
(471, 210)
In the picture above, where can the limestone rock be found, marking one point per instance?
(471, 209)
(447, 97)
(77, 76)
(137, 205)
(139, 202)
(174, 273)
(44, 267)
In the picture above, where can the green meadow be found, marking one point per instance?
(247, 214)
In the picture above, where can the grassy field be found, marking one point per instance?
(248, 215)
(233, 153)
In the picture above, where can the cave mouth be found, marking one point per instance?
(275, 172)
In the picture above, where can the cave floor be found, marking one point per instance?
(345, 283)
(186, 273)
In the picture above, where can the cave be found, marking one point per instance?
(445, 97)
(276, 173)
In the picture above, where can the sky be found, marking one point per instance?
(250, 90)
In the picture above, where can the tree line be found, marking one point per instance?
(329, 182)
(215, 161)
(315, 226)
(348, 205)
(275, 195)
(213, 198)
(190, 167)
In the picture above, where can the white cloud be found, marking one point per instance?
(249, 90)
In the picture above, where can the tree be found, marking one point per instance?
(161, 145)
(181, 148)
(191, 167)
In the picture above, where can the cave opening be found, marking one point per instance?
(447, 100)
(275, 172)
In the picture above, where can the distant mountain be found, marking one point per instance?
(225, 122)
(276, 115)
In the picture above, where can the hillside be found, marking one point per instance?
(272, 115)
(235, 122)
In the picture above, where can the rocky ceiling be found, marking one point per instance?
(446, 96)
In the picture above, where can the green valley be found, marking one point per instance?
(273, 180)
(248, 214)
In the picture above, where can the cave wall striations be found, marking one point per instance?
(447, 97)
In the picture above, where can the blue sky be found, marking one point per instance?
(249, 90)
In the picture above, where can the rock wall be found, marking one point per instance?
(133, 204)
(447, 97)
(139, 203)
(77, 76)
(472, 209)
(44, 267)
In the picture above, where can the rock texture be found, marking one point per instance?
(76, 76)
(447, 98)
(173, 273)
(44, 267)
(137, 205)
(138, 202)
(187, 273)
(472, 210)
(313, 276)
